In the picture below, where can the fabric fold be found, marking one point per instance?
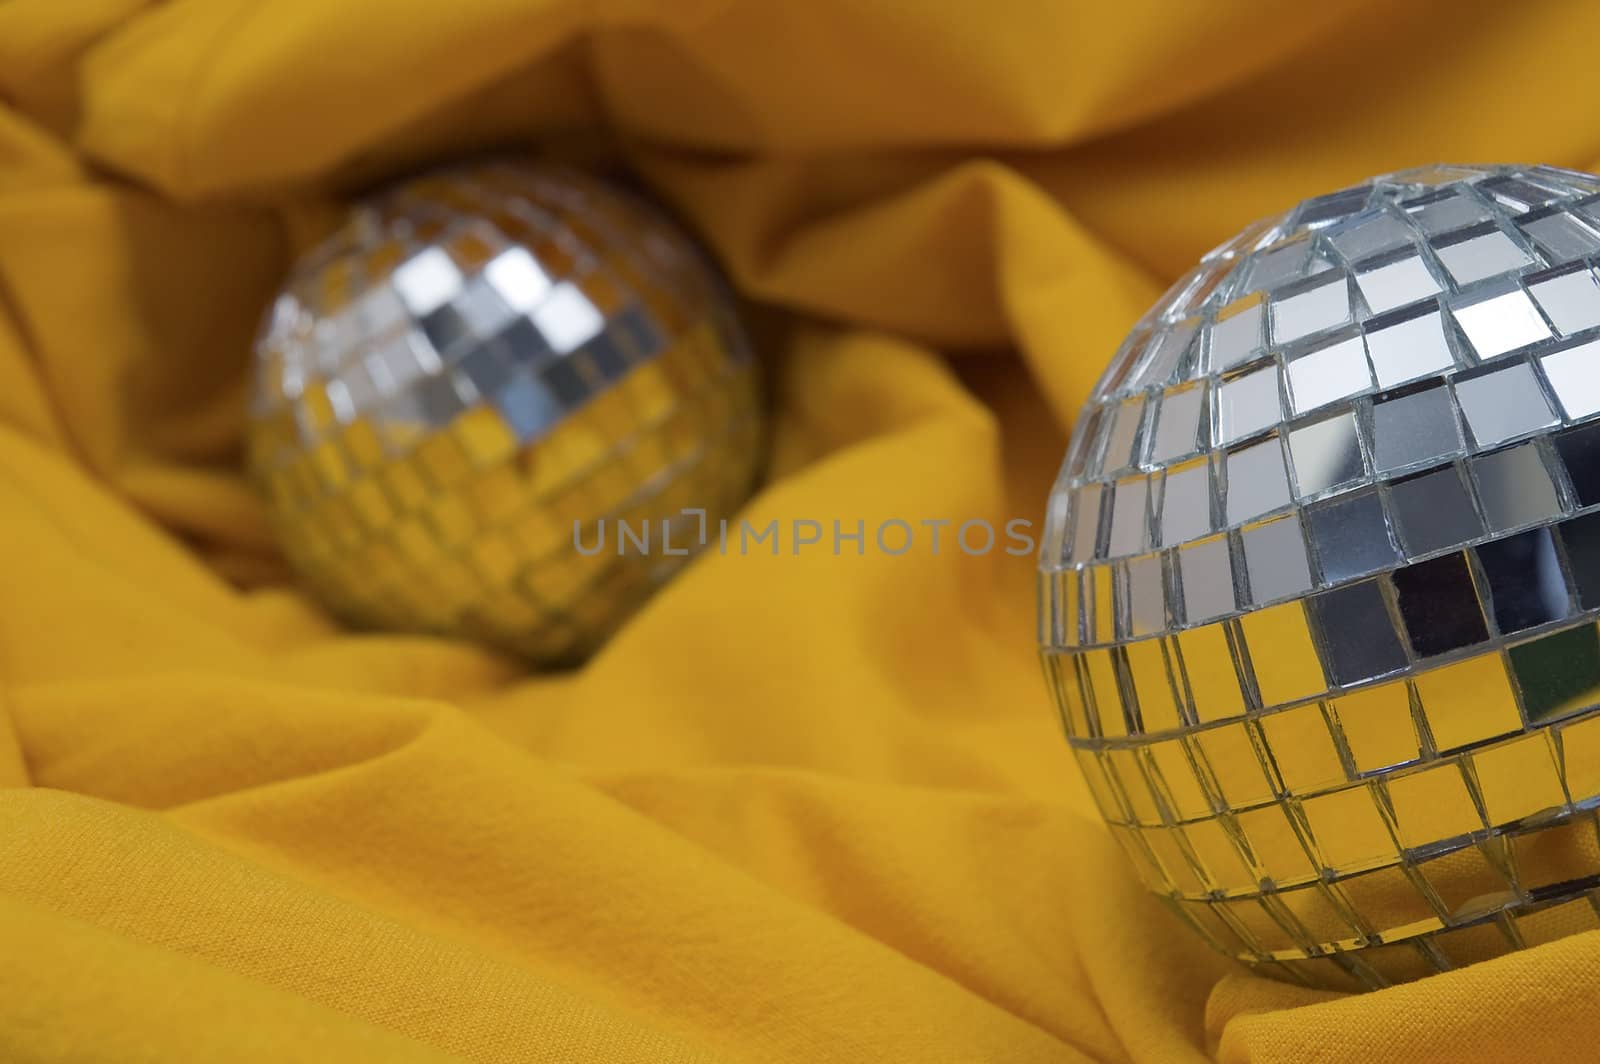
(811, 804)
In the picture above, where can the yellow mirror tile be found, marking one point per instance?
(1316, 911)
(1147, 666)
(1280, 854)
(1219, 856)
(1104, 609)
(1580, 757)
(1348, 831)
(1468, 702)
(496, 493)
(404, 485)
(494, 558)
(1302, 749)
(1401, 962)
(1177, 866)
(1210, 675)
(1177, 773)
(1107, 694)
(1518, 779)
(1125, 765)
(1099, 787)
(1260, 929)
(1221, 935)
(484, 436)
(1230, 758)
(1558, 921)
(1145, 867)
(1467, 882)
(1386, 899)
(442, 460)
(1560, 853)
(1432, 805)
(362, 443)
(1469, 945)
(371, 505)
(1061, 673)
(451, 519)
(329, 464)
(1282, 655)
(1377, 726)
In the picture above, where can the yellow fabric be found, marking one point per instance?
(806, 808)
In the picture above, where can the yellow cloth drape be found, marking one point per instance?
(805, 808)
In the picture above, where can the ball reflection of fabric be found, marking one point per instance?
(1321, 578)
(477, 360)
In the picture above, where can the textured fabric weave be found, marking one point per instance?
(806, 808)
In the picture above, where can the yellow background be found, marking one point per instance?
(804, 809)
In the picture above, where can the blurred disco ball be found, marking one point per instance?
(478, 360)
(1321, 578)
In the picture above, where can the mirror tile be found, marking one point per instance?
(1434, 510)
(1501, 323)
(1326, 454)
(1086, 523)
(1563, 237)
(1275, 560)
(1414, 428)
(1147, 607)
(1208, 591)
(1366, 235)
(1570, 299)
(1526, 585)
(1515, 487)
(1579, 450)
(1257, 481)
(1320, 304)
(1503, 404)
(1186, 503)
(1328, 374)
(1326, 210)
(1478, 252)
(1235, 338)
(1180, 418)
(1122, 436)
(1169, 352)
(1438, 606)
(1247, 404)
(1445, 211)
(1350, 536)
(1580, 540)
(1359, 641)
(1130, 521)
(1408, 344)
(1394, 281)
(1574, 375)
(1273, 267)
(1558, 673)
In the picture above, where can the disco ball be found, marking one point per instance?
(1321, 576)
(492, 404)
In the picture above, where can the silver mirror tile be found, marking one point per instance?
(1574, 376)
(1497, 324)
(1570, 298)
(1503, 404)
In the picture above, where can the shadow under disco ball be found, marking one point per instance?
(1321, 577)
(479, 359)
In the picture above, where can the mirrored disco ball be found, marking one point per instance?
(1321, 580)
(477, 361)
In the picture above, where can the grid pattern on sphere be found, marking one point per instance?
(1320, 582)
(475, 362)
